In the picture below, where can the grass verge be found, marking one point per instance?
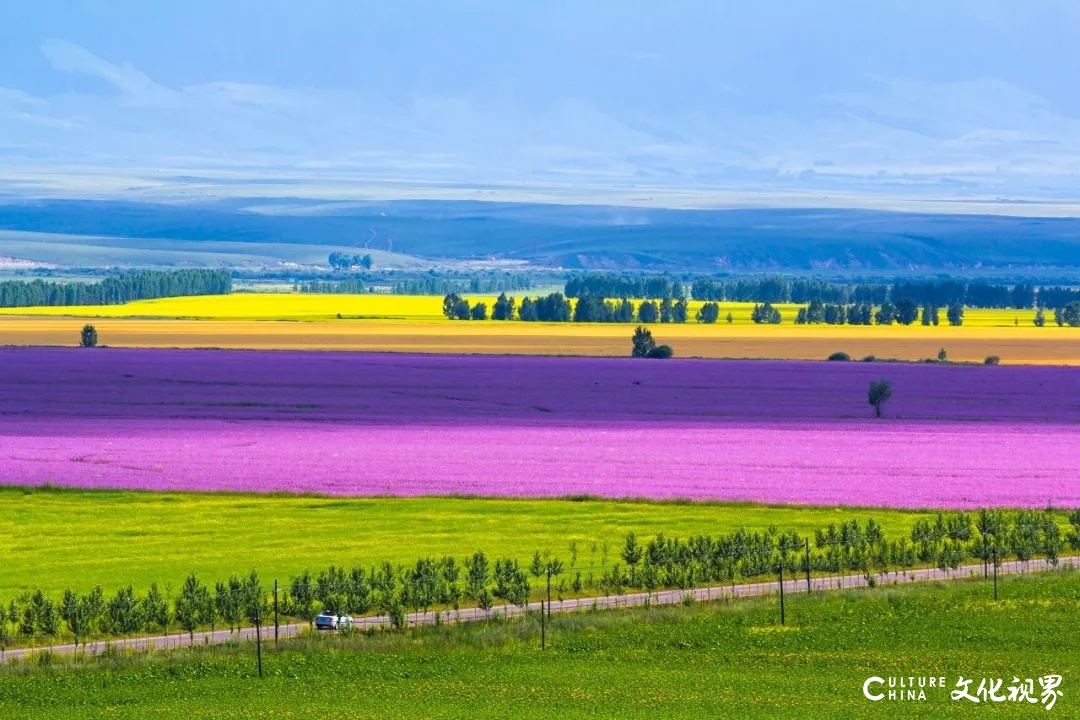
(720, 660)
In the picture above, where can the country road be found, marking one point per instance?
(665, 597)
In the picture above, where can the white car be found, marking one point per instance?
(326, 621)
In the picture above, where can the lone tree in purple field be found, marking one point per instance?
(880, 391)
(89, 336)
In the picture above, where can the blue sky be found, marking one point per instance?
(878, 96)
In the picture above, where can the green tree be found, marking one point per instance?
(397, 614)
(302, 597)
(478, 311)
(709, 313)
(47, 617)
(503, 308)
(1070, 314)
(124, 613)
(229, 601)
(511, 582)
(456, 307)
(420, 587)
(680, 311)
(1040, 317)
(955, 314)
(642, 342)
(666, 310)
(252, 598)
(5, 630)
(190, 604)
(81, 612)
(358, 592)
(528, 311)
(89, 337)
(907, 311)
(449, 591)
(156, 608)
(886, 315)
(449, 305)
(880, 392)
(764, 314)
(648, 312)
(537, 566)
(485, 600)
(632, 554)
(477, 573)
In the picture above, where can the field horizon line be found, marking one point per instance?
(578, 498)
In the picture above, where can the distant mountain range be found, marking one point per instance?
(571, 237)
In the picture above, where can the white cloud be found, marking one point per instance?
(134, 86)
(895, 126)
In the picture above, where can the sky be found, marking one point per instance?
(861, 96)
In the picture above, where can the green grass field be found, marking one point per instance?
(720, 660)
(54, 539)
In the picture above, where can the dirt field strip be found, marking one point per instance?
(666, 597)
(1028, 345)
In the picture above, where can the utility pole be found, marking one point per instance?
(782, 592)
(544, 613)
(275, 614)
(995, 573)
(258, 640)
(807, 566)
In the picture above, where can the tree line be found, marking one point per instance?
(351, 286)
(905, 312)
(777, 289)
(477, 285)
(115, 290)
(624, 286)
(946, 542)
(1067, 315)
(345, 261)
(947, 293)
(555, 307)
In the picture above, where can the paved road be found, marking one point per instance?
(665, 597)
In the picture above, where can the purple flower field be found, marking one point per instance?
(357, 424)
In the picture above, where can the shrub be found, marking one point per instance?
(661, 352)
(840, 357)
(991, 360)
(397, 615)
(942, 356)
(89, 336)
(869, 358)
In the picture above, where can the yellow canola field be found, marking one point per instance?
(426, 308)
(388, 323)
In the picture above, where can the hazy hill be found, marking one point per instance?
(570, 236)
